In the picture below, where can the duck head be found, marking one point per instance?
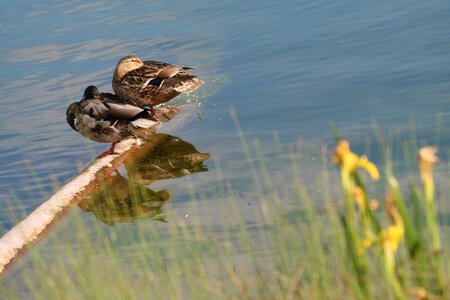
(127, 64)
(70, 115)
(90, 92)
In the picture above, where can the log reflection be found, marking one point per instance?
(127, 198)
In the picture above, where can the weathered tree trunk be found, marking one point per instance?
(34, 226)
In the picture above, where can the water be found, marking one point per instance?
(291, 67)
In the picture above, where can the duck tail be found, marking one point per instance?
(144, 123)
(188, 86)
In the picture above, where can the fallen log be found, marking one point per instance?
(37, 223)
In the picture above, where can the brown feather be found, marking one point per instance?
(153, 82)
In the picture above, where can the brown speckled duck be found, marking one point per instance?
(106, 118)
(148, 83)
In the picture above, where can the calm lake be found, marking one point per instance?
(290, 70)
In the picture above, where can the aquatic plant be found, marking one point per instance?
(291, 241)
(366, 232)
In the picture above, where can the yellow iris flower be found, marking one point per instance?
(427, 159)
(350, 161)
(391, 237)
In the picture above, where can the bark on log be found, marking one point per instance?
(34, 226)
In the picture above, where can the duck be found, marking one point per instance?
(106, 118)
(149, 83)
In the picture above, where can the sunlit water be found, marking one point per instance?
(292, 67)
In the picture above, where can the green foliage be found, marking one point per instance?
(295, 243)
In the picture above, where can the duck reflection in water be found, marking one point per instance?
(122, 200)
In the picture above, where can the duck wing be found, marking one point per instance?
(105, 112)
(150, 76)
(164, 71)
(140, 78)
(176, 79)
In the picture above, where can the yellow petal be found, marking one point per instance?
(391, 238)
(350, 162)
(370, 167)
(342, 149)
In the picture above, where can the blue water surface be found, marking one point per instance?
(291, 67)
